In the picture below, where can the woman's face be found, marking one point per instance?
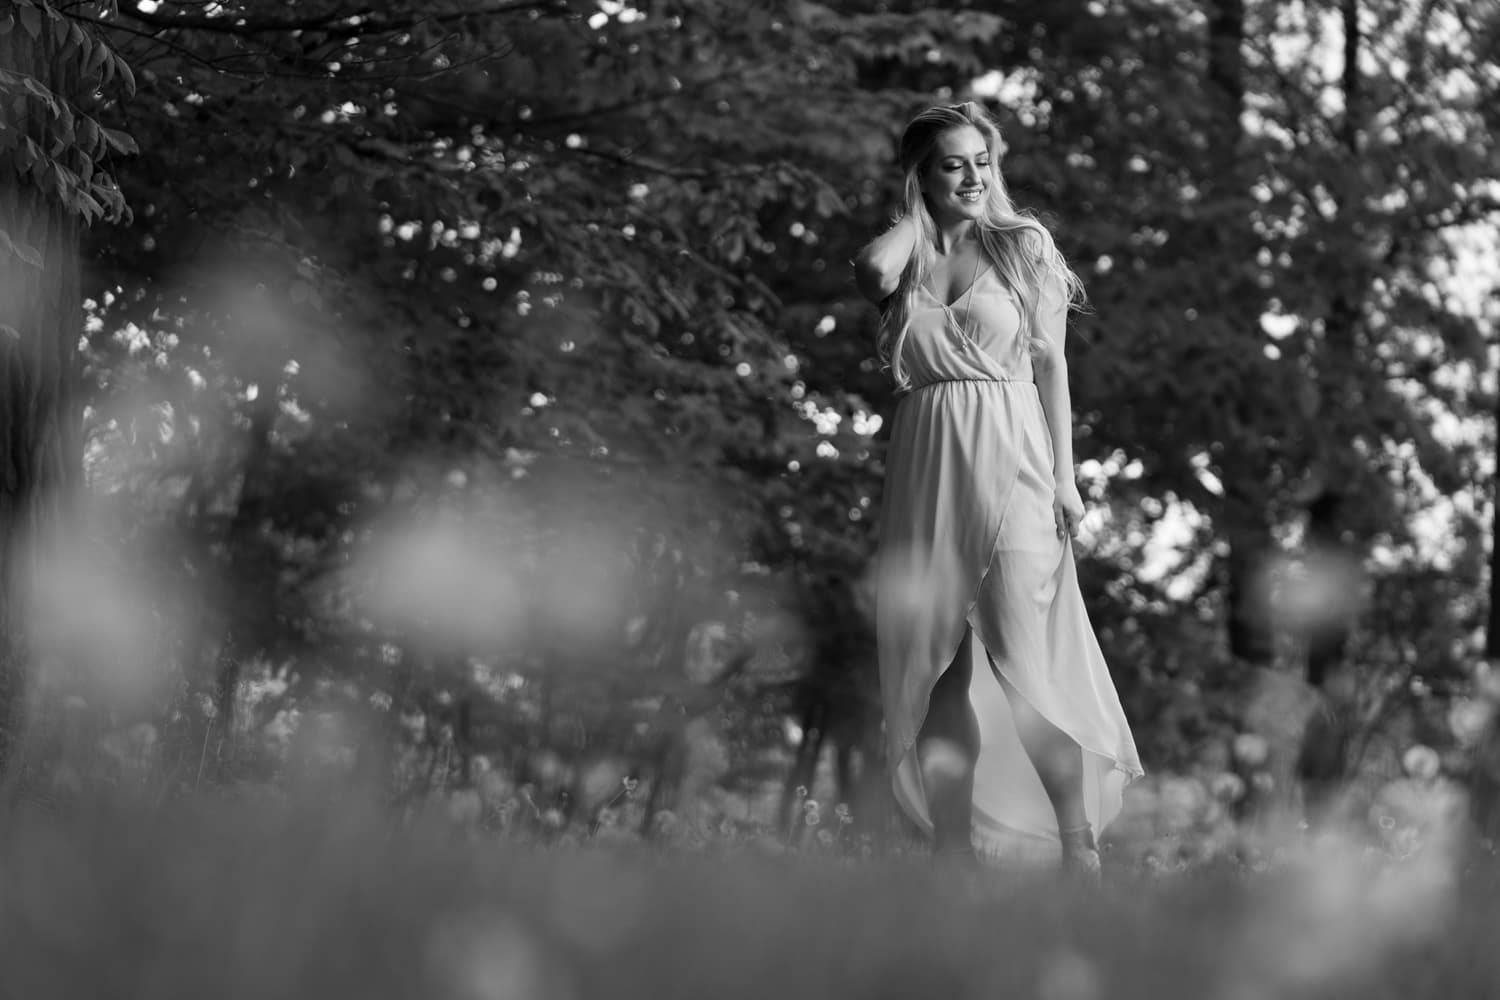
(957, 176)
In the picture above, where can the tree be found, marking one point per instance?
(478, 361)
(53, 183)
(549, 235)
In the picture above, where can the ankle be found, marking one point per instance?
(1080, 855)
(1081, 836)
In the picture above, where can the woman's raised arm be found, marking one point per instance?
(878, 267)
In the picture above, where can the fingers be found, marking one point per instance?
(1065, 521)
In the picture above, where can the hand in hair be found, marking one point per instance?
(878, 266)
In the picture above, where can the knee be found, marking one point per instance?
(943, 761)
(1061, 760)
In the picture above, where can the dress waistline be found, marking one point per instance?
(943, 381)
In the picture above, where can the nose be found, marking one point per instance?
(972, 173)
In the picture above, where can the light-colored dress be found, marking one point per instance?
(968, 540)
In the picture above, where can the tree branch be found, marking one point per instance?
(573, 117)
(335, 24)
(675, 173)
(170, 46)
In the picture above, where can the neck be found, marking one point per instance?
(951, 234)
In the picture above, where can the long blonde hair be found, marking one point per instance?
(1015, 242)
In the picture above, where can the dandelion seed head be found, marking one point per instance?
(1421, 762)
(1251, 749)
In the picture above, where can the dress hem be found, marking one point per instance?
(1116, 763)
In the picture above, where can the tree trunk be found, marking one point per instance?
(1492, 632)
(1328, 636)
(1484, 782)
(1353, 96)
(1226, 61)
(1323, 760)
(805, 766)
(1249, 623)
(1250, 636)
(41, 319)
(239, 545)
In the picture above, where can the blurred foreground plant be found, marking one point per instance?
(240, 896)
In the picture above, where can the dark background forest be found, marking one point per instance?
(440, 465)
(470, 401)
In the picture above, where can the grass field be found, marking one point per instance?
(250, 899)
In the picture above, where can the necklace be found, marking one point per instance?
(964, 338)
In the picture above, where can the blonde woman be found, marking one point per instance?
(1004, 730)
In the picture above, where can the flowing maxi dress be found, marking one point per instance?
(968, 541)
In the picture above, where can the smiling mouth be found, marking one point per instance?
(971, 196)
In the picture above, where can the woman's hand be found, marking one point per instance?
(1067, 508)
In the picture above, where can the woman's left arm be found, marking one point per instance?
(1052, 385)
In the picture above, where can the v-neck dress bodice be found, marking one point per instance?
(977, 336)
(968, 541)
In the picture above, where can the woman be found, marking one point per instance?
(1004, 730)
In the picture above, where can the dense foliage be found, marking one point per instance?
(477, 392)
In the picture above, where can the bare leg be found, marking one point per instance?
(1057, 758)
(947, 747)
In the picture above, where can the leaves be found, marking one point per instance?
(60, 156)
(622, 252)
(31, 19)
(120, 142)
(122, 69)
(30, 254)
